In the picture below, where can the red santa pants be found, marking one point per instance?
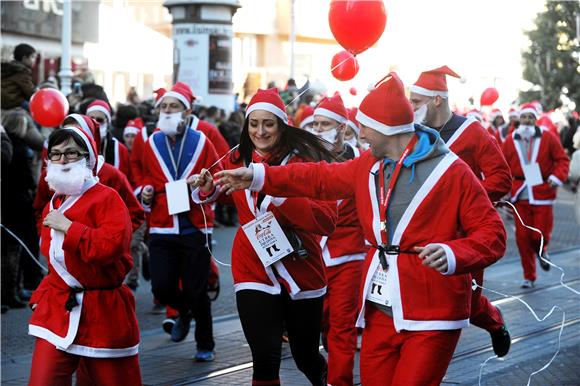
(340, 311)
(55, 367)
(408, 358)
(483, 314)
(528, 241)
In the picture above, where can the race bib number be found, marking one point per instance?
(267, 238)
(177, 197)
(532, 174)
(377, 292)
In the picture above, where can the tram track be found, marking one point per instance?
(466, 354)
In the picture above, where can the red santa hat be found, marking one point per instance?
(495, 113)
(268, 100)
(158, 95)
(85, 127)
(101, 106)
(352, 122)
(433, 82)
(386, 109)
(133, 127)
(333, 108)
(182, 92)
(538, 106)
(513, 113)
(529, 108)
(307, 116)
(475, 114)
(88, 124)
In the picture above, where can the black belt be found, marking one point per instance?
(390, 250)
(72, 299)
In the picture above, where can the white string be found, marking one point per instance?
(308, 88)
(474, 285)
(207, 238)
(44, 269)
(541, 246)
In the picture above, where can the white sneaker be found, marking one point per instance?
(527, 283)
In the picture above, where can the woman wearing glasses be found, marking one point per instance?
(83, 314)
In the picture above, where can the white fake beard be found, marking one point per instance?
(526, 131)
(420, 115)
(351, 142)
(168, 123)
(329, 135)
(103, 127)
(67, 179)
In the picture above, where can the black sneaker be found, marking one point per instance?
(544, 261)
(501, 340)
(168, 325)
(181, 328)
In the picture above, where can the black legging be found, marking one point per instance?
(263, 317)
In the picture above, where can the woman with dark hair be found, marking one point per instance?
(276, 259)
(84, 317)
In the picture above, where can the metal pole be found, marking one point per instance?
(65, 73)
(292, 38)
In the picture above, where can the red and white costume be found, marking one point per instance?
(474, 145)
(422, 299)
(535, 204)
(87, 265)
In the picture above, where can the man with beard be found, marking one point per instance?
(343, 253)
(539, 165)
(83, 316)
(467, 138)
(179, 236)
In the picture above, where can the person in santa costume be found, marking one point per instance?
(83, 315)
(430, 225)
(467, 138)
(306, 117)
(539, 166)
(113, 150)
(352, 131)
(343, 253)
(496, 122)
(179, 236)
(288, 291)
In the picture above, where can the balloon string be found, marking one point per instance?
(308, 88)
(207, 238)
(44, 269)
(475, 285)
(540, 252)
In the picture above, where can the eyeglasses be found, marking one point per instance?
(70, 155)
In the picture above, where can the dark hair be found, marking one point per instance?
(292, 139)
(23, 50)
(63, 135)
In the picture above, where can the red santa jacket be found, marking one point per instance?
(93, 257)
(347, 242)
(450, 202)
(108, 176)
(198, 153)
(302, 278)
(547, 151)
(136, 160)
(473, 144)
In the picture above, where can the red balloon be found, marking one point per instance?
(344, 66)
(488, 97)
(48, 107)
(357, 24)
(352, 91)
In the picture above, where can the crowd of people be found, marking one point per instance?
(335, 208)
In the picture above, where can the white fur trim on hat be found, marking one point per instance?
(102, 110)
(329, 114)
(306, 121)
(529, 110)
(353, 126)
(177, 95)
(131, 130)
(83, 135)
(82, 123)
(381, 127)
(423, 91)
(267, 107)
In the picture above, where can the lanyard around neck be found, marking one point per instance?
(385, 197)
(176, 164)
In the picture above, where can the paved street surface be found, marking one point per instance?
(534, 343)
